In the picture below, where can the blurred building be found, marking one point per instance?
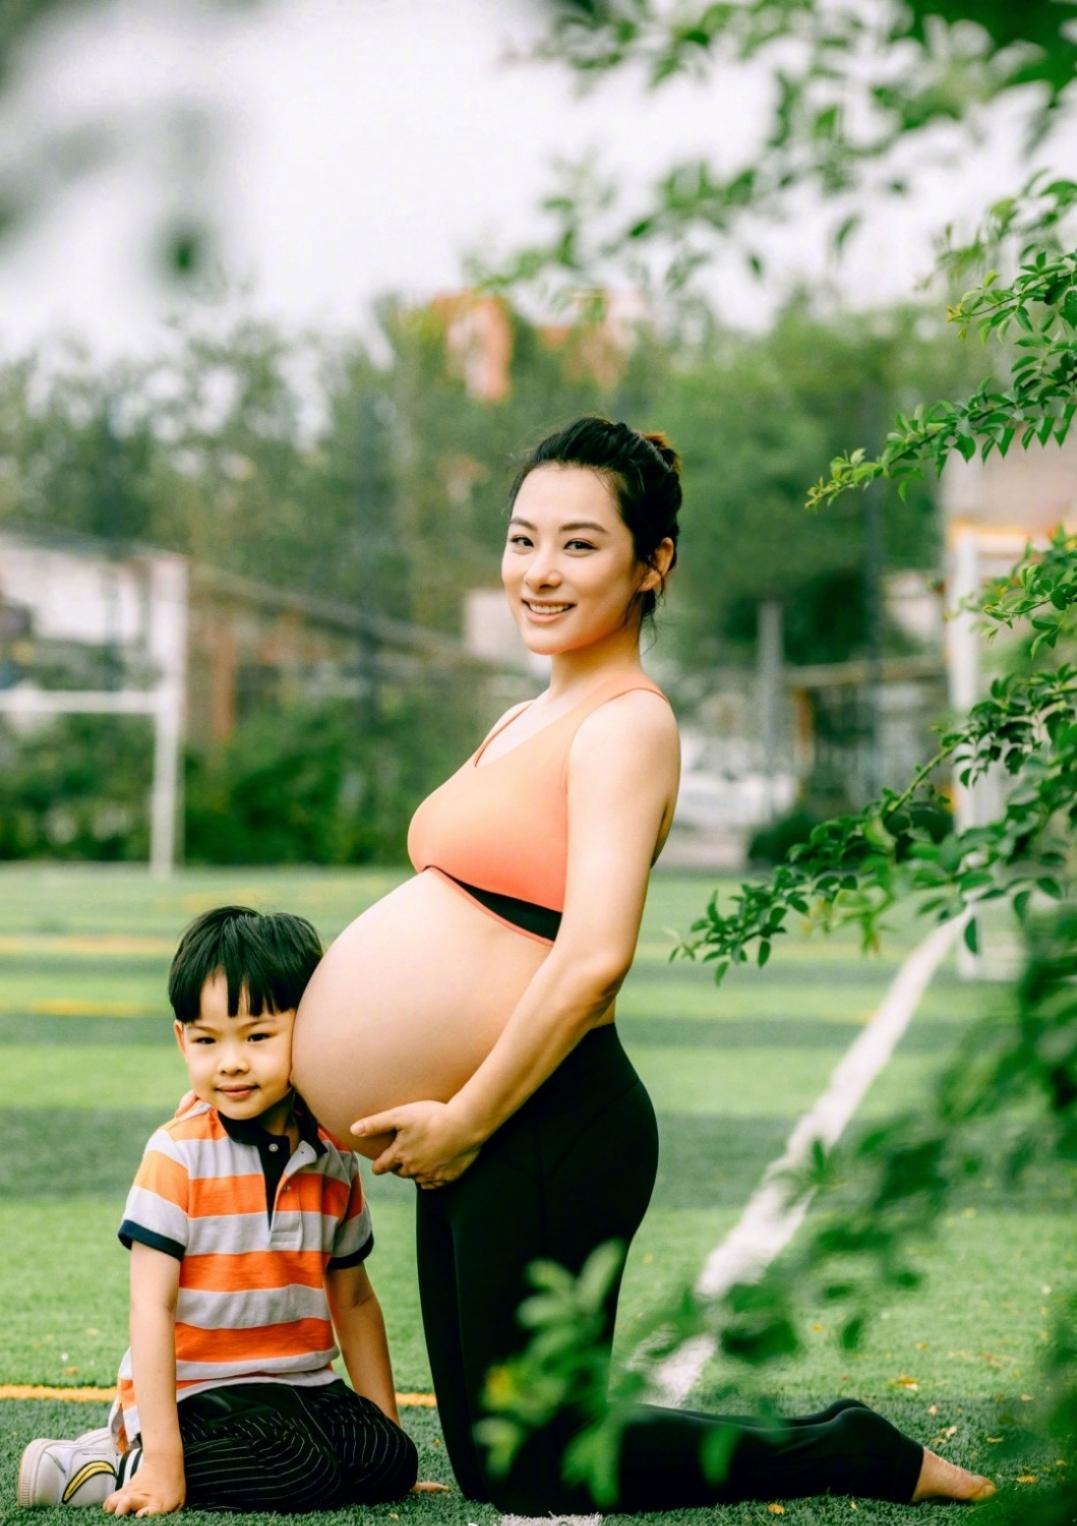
(1027, 492)
(994, 509)
(479, 338)
(74, 616)
(478, 342)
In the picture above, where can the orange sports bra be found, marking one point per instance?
(502, 826)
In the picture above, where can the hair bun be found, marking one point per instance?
(665, 450)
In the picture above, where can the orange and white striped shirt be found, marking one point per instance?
(251, 1304)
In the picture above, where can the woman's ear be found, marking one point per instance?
(662, 556)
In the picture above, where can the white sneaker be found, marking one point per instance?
(79, 1472)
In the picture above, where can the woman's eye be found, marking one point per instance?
(516, 540)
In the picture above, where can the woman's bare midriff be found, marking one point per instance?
(408, 1002)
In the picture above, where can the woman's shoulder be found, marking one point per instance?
(639, 720)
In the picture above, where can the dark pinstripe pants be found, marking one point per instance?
(277, 1446)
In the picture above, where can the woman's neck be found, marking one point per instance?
(573, 674)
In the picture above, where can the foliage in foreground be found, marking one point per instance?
(897, 1180)
(894, 1184)
(855, 87)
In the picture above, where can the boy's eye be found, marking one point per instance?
(203, 1039)
(254, 1037)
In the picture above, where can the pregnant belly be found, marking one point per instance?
(407, 1003)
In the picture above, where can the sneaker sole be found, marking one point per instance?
(28, 1475)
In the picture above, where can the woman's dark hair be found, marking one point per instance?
(270, 956)
(644, 471)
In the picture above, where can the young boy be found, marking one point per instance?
(248, 1231)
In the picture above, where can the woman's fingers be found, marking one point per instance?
(377, 1123)
(388, 1160)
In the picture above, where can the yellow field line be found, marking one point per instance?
(108, 944)
(81, 1006)
(101, 1395)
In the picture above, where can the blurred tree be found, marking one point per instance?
(849, 83)
(303, 462)
(753, 417)
(860, 99)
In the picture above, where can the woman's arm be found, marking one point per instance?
(360, 1332)
(623, 770)
(159, 1485)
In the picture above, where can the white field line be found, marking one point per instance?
(769, 1222)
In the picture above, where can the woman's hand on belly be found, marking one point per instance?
(431, 1144)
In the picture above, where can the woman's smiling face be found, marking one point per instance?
(568, 545)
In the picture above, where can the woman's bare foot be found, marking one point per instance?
(944, 1480)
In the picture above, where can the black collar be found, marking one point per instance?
(251, 1131)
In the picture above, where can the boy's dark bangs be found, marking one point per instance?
(267, 957)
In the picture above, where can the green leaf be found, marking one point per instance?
(971, 935)
(846, 227)
(716, 1451)
(851, 1332)
(601, 1267)
(877, 835)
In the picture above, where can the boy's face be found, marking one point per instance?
(240, 1065)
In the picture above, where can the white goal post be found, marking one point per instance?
(162, 701)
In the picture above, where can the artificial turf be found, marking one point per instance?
(90, 1067)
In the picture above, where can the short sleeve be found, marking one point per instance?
(354, 1239)
(155, 1213)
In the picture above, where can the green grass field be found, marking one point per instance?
(90, 1068)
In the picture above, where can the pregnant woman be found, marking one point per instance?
(466, 1020)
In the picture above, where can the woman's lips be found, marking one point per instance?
(544, 617)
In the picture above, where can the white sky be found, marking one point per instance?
(360, 146)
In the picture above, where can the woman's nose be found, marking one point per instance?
(542, 574)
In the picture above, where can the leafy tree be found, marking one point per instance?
(753, 415)
(896, 1179)
(859, 97)
(76, 788)
(863, 82)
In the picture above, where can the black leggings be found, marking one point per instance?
(575, 1166)
(283, 1447)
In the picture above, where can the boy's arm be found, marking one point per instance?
(159, 1485)
(360, 1332)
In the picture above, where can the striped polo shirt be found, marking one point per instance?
(254, 1231)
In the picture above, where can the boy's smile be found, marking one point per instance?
(240, 1064)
